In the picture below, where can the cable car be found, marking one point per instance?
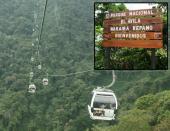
(37, 39)
(45, 81)
(32, 59)
(103, 104)
(31, 88)
(31, 74)
(39, 67)
(37, 26)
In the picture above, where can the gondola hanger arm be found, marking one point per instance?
(113, 80)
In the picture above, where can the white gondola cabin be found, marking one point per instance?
(45, 81)
(103, 105)
(39, 67)
(31, 88)
(37, 39)
(31, 74)
(32, 59)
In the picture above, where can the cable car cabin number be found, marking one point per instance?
(136, 29)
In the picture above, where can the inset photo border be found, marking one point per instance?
(130, 36)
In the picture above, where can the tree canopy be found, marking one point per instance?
(66, 47)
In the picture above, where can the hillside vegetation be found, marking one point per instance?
(67, 46)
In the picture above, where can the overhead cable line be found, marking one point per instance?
(92, 70)
(42, 24)
(70, 74)
(41, 31)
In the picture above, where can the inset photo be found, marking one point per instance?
(131, 36)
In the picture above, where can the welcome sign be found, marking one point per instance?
(132, 13)
(136, 29)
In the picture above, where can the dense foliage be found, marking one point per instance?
(67, 46)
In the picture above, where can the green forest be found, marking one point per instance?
(67, 46)
(125, 57)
